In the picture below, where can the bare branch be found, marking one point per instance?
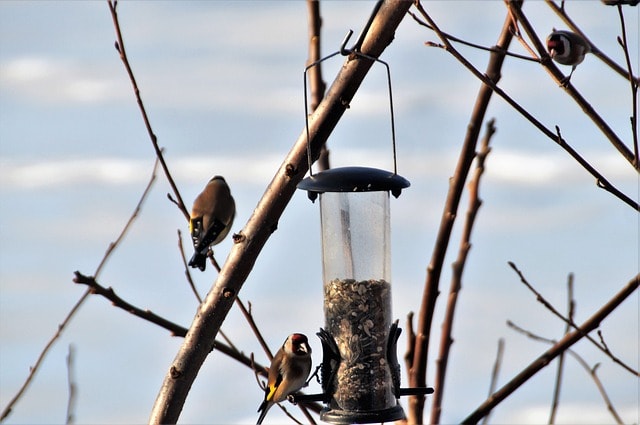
(418, 370)
(601, 181)
(543, 360)
(634, 85)
(594, 49)
(470, 44)
(494, 374)
(456, 279)
(154, 140)
(316, 83)
(591, 371)
(187, 273)
(558, 382)
(250, 241)
(559, 78)
(112, 246)
(570, 322)
(73, 387)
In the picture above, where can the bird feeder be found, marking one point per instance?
(360, 373)
(360, 370)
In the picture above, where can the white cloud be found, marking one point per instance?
(56, 80)
(512, 168)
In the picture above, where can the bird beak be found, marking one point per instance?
(305, 347)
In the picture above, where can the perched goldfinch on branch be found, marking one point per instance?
(211, 218)
(567, 48)
(288, 372)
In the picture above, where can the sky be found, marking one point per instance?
(222, 84)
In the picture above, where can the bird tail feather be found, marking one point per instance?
(263, 409)
(198, 260)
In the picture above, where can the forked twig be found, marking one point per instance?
(71, 384)
(560, 79)
(456, 279)
(494, 374)
(62, 326)
(594, 49)
(556, 313)
(601, 181)
(545, 358)
(558, 382)
(119, 45)
(583, 363)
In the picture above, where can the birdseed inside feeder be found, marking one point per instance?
(361, 376)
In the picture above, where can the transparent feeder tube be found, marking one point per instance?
(357, 296)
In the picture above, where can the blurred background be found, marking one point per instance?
(222, 84)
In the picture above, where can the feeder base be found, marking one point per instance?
(337, 416)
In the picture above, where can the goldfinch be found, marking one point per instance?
(567, 48)
(212, 216)
(288, 372)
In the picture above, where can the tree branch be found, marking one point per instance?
(418, 371)
(594, 49)
(456, 279)
(250, 241)
(603, 347)
(62, 326)
(567, 341)
(591, 371)
(154, 140)
(601, 181)
(552, 69)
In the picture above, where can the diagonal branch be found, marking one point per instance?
(552, 69)
(250, 241)
(583, 363)
(76, 307)
(174, 328)
(559, 347)
(594, 49)
(418, 371)
(603, 347)
(446, 339)
(154, 139)
(601, 181)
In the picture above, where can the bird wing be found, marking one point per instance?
(201, 244)
(270, 390)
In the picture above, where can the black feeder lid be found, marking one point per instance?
(353, 179)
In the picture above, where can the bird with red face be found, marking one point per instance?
(567, 48)
(288, 372)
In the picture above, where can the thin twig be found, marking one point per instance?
(175, 329)
(558, 382)
(556, 313)
(73, 387)
(418, 370)
(195, 290)
(254, 327)
(560, 79)
(591, 371)
(456, 279)
(154, 140)
(545, 358)
(250, 241)
(470, 44)
(61, 327)
(187, 274)
(316, 83)
(601, 181)
(633, 82)
(494, 374)
(594, 49)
